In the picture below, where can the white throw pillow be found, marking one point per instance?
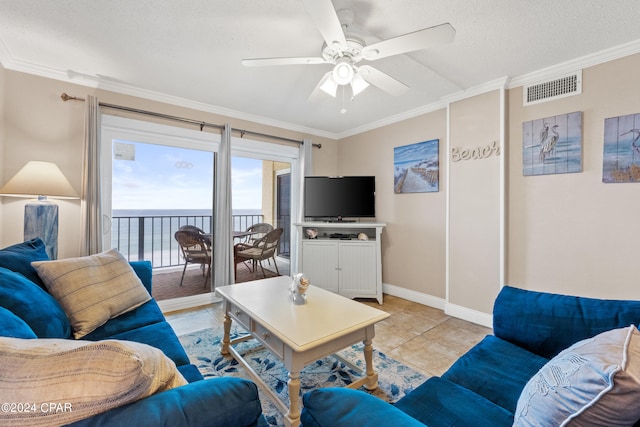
(45, 382)
(93, 289)
(595, 382)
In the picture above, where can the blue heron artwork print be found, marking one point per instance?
(552, 145)
(621, 159)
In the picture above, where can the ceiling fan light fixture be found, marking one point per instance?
(328, 85)
(343, 72)
(358, 84)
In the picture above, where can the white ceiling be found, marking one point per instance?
(189, 51)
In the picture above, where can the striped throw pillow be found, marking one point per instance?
(51, 381)
(93, 289)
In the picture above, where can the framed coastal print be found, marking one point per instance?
(417, 167)
(621, 159)
(552, 145)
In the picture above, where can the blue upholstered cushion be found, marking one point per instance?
(441, 403)
(546, 323)
(344, 407)
(13, 326)
(144, 271)
(18, 258)
(159, 335)
(190, 373)
(147, 314)
(218, 402)
(32, 304)
(497, 370)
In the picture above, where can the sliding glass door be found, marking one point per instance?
(157, 180)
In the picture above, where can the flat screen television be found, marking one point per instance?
(334, 198)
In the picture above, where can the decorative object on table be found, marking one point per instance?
(299, 286)
(417, 167)
(362, 236)
(621, 159)
(312, 233)
(40, 179)
(552, 145)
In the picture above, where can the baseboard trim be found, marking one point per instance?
(415, 296)
(176, 304)
(469, 315)
(449, 309)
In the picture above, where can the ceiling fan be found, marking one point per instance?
(345, 50)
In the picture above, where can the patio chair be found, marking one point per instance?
(258, 231)
(198, 230)
(260, 250)
(195, 250)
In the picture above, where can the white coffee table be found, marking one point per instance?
(298, 334)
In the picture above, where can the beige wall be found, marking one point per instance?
(474, 203)
(39, 126)
(413, 243)
(566, 233)
(571, 233)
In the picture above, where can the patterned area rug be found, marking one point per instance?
(203, 347)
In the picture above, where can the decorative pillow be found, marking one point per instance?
(56, 382)
(594, 382)
(13, 326)
(19, 257)
(33, 305)
(93, 289)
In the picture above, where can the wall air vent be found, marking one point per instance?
(561, 87)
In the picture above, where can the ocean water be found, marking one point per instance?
(148, 233)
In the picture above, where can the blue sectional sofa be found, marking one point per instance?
(28, 311)
(552, 358)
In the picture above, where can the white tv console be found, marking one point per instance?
(347, 266)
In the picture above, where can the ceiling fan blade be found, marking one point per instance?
(421, 39)
(324, 16)
(267, 62)
(382, 81)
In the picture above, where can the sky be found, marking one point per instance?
(149, 176)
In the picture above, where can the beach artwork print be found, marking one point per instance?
(621, 160)
(417, 167)
(552, 145)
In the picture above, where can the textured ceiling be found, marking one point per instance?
(191, 50)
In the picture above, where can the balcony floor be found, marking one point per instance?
(166, 281)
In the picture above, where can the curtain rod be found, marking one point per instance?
(202, 124)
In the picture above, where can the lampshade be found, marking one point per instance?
(358, 84)
(328, 85)
(39, 179)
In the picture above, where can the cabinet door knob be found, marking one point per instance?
(237, 312)
(265, 335)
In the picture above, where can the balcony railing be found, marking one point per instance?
(151, 237)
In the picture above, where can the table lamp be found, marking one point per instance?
(40, 179)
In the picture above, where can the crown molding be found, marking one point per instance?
(429, 108)
(586, 61)
(496, 84)
(69, 76)
(11, 63)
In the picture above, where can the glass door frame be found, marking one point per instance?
(121, 128)
(243, 147)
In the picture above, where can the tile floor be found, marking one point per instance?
(421, 337)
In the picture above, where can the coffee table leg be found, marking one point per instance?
(372, 376)
(292, 417)
(226, 340)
